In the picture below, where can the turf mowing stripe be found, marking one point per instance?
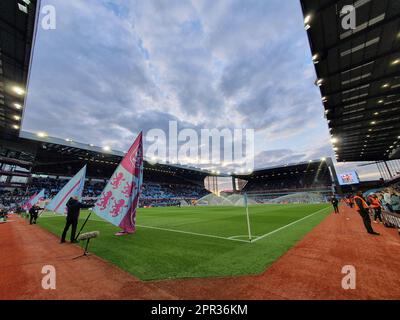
(192, 233)
(288, 225)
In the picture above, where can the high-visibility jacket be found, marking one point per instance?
(364, 203)
(375, 203)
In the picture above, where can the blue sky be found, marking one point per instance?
(115, 67)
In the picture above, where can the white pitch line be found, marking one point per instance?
(242, 236)
(288, 225)
(192, 233)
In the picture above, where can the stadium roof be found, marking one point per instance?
(55, 156)
(17, 24)
(310, 167)
(288, 165)
(358, 72)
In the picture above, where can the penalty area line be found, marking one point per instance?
(191, 233)
(288, 225)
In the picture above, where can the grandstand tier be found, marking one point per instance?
(29, 165)
(269, 183)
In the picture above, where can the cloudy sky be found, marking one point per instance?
(114, 67)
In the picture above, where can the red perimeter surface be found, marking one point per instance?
(310, 270)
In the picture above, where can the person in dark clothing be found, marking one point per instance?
(33, 214)
(3, 215)
(335, 203)
(19, 210)
(363, 210)
(351, 202)
(73, 209)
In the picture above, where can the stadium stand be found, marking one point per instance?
(30, 165)
(315, 177)
(163, 192)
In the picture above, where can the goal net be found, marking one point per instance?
(262, 198)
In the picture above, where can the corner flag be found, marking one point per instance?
(118, 202)
(74, 187)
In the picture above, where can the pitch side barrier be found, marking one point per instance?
(391, 219)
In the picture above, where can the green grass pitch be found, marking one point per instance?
(199, 241)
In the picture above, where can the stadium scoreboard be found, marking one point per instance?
(348, 178)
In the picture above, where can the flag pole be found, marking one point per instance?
(247, 214)
(87, 218)
(43, 210)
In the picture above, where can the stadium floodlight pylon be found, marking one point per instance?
(74, 187)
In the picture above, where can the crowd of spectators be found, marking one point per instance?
(166, 194)
(9, 199)
(389, 197)
(284, 185)
(164, 191)
(52, 186)
(153, 193)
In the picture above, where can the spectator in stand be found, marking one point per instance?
(395, 202)
(387, 196)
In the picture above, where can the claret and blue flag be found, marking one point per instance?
(74, 187)
(34, 200)
(27, 205)
(119, 200)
